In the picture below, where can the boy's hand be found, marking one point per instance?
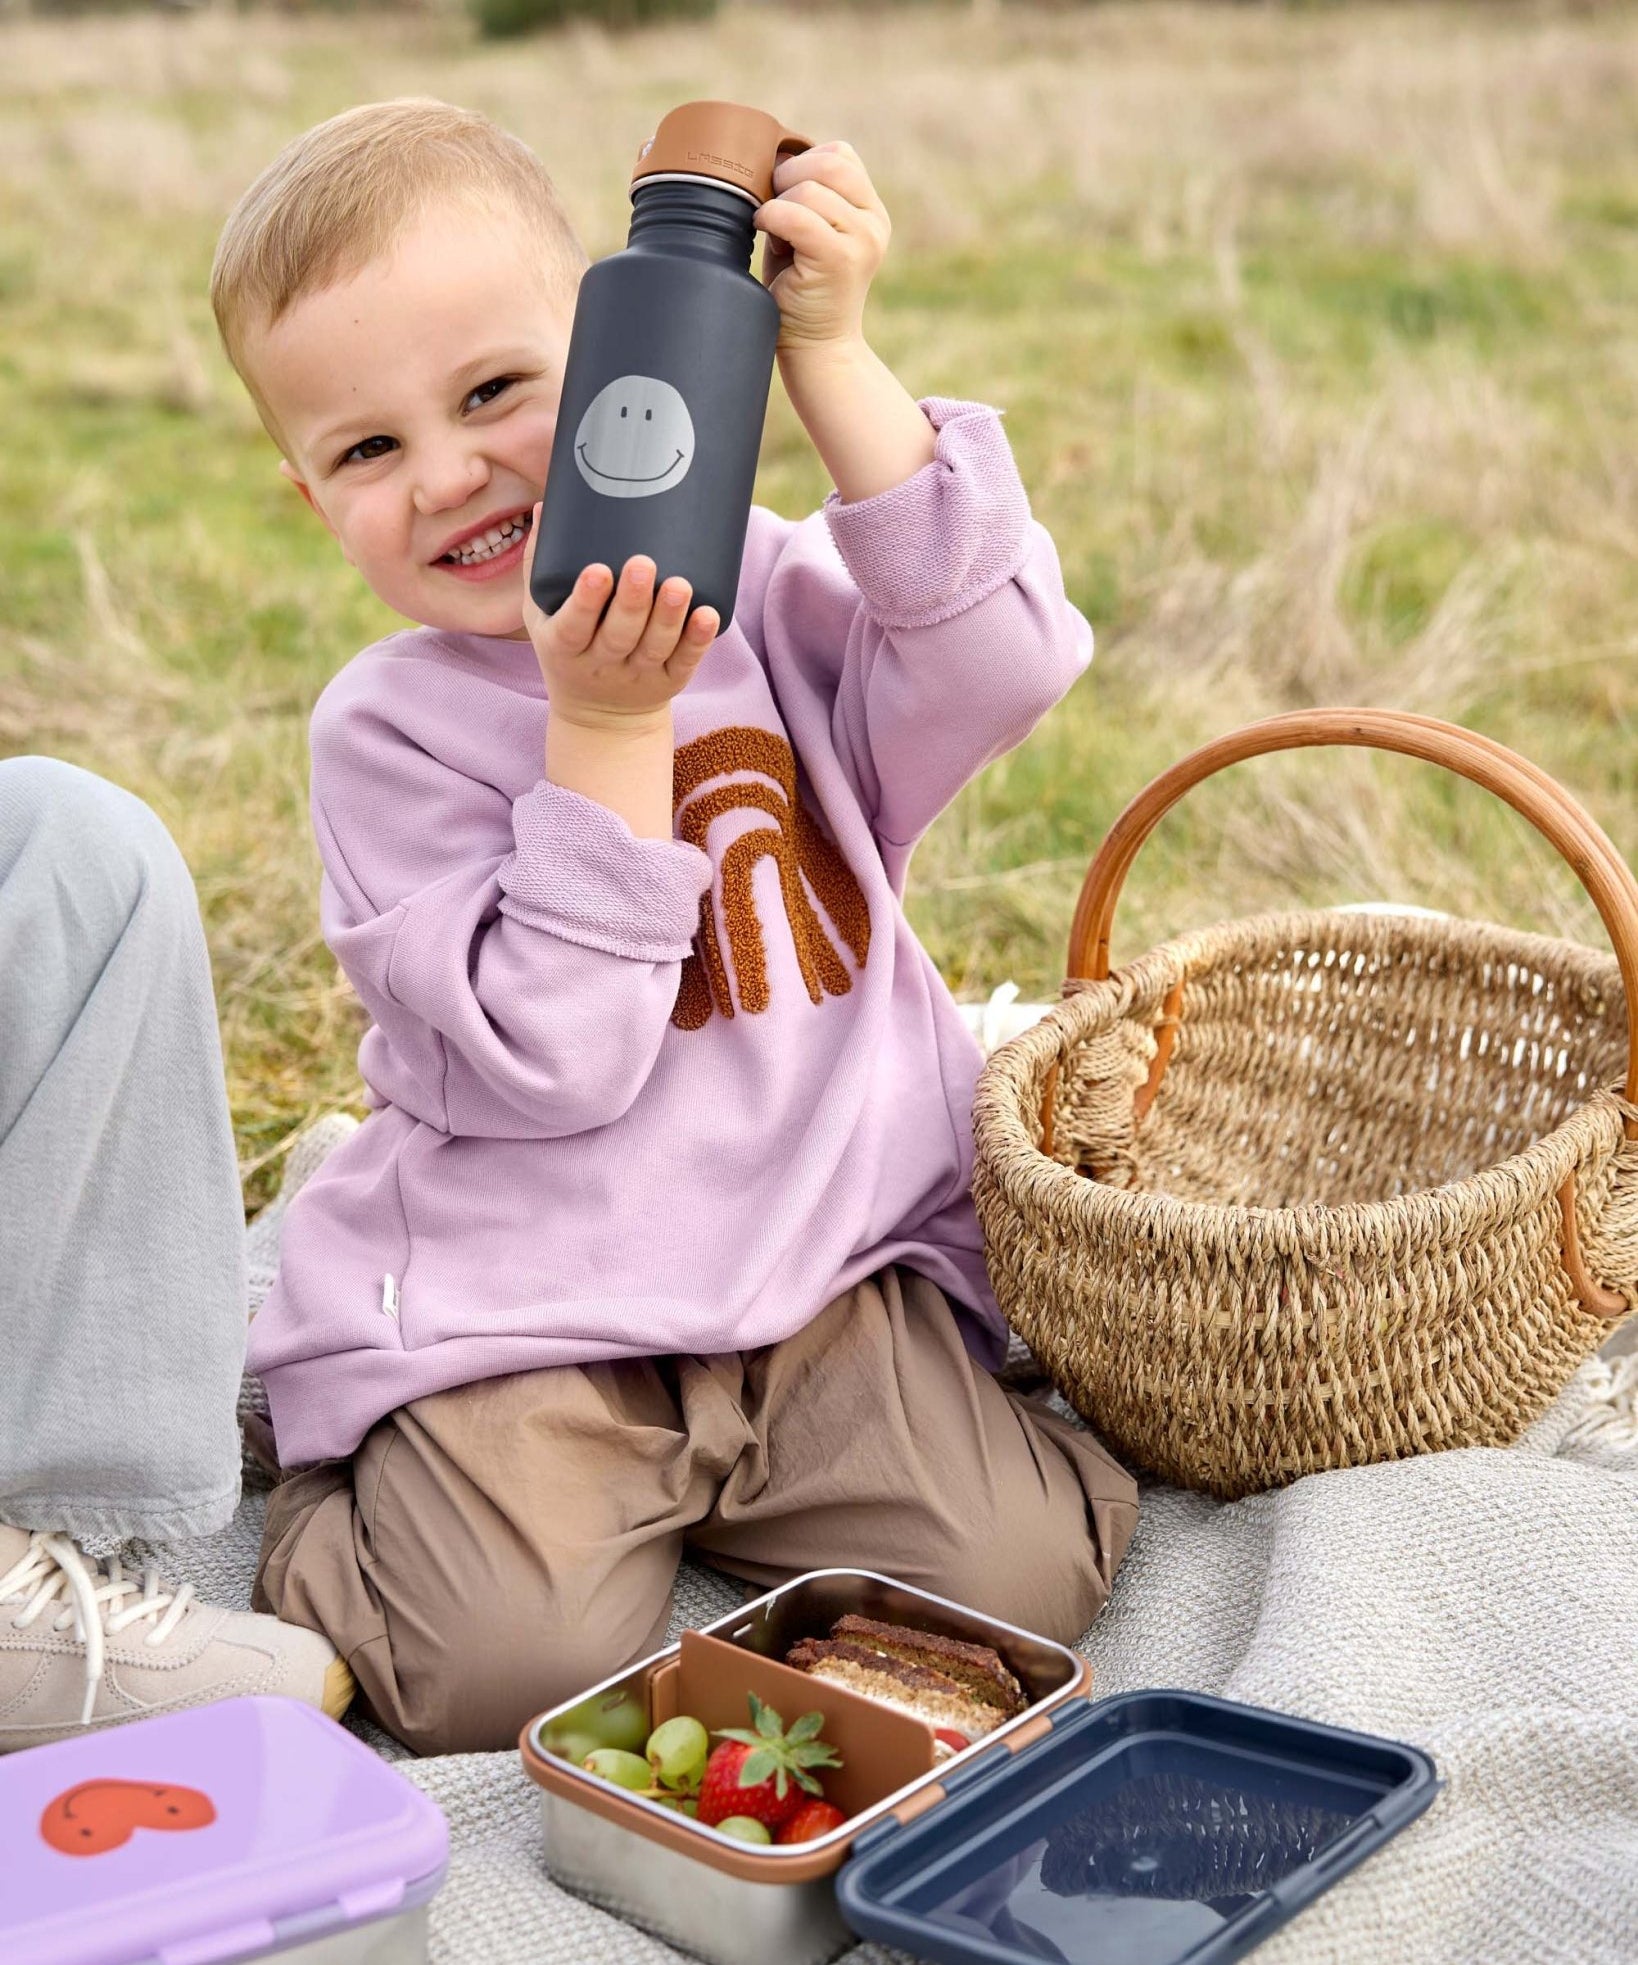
(827, 232)
(621, 668)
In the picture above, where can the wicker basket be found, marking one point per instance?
(1310, 1190)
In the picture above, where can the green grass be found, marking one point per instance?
(1315, 333)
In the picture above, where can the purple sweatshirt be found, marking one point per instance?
(634, 1096)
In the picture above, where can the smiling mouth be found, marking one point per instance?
(613, 478)
(491, 544)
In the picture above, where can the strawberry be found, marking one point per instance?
(811, 1818)
(722, 1796)
(763, 1773)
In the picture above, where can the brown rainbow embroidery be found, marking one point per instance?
(806, 858)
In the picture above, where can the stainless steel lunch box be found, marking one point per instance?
(742, 1904)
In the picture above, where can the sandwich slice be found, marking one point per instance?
(960, 1689)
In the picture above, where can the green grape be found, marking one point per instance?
(625, 1770)
(744, 1828)
(677, 1752)
(620, 1720)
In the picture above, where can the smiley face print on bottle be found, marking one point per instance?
(635, 439)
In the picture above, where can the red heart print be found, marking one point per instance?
(98, 1816)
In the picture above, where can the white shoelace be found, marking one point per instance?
(90, 1595)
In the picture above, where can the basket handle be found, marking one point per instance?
(1528, 789)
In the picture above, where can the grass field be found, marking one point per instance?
(1315, 330)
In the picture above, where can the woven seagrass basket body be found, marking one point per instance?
(1310, 1190)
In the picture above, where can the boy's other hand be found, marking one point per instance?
(827, 234)
(607, 670)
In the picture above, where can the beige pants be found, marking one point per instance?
(492, 1550)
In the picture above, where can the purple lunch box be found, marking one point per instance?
(253, 1828)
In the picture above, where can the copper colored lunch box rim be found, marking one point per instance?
(822, 1855)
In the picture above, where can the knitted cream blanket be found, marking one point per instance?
(1483, 1604)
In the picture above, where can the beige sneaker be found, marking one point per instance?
(84, 1646)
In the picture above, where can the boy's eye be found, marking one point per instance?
(486, 392)
(367, 449)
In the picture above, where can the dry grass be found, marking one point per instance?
(1314, 330)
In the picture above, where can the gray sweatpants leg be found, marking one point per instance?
(122, 1284)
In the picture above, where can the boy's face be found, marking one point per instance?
(418, 401)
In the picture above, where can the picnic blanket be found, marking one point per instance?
(1483, 1604)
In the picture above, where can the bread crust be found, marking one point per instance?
(976, 1667)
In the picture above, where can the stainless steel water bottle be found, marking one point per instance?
(666, 386)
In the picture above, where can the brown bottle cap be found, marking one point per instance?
(721, 140)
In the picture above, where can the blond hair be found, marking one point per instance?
(340, 195)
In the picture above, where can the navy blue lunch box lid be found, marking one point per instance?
(1156, 1828)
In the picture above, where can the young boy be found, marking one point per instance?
(659, 1234)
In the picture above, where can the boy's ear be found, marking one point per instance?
(288, 472)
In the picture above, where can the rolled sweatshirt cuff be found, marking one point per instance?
(579, 872)
(950, 535)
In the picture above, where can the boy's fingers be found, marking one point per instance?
(628, 613)
(665, 622)
(690, 654)
(686, 641)
(575, 622)
(532, 613)
(696, 639)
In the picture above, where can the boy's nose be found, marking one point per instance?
(448, 482)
